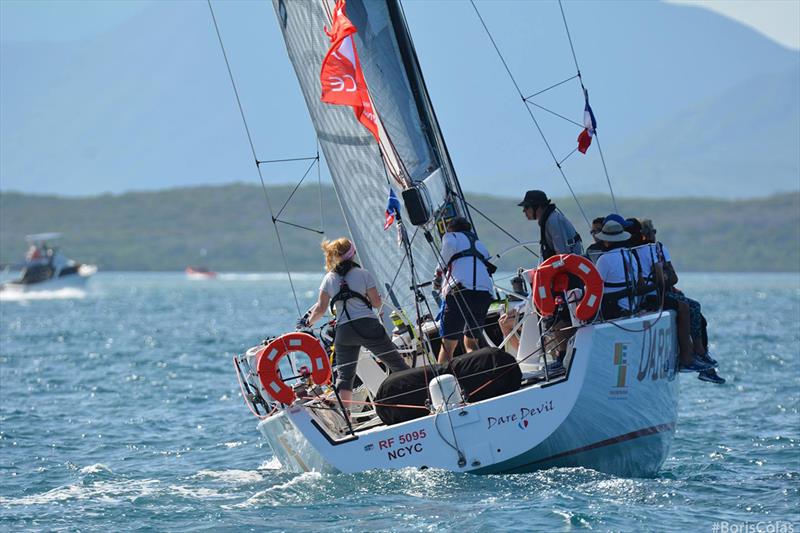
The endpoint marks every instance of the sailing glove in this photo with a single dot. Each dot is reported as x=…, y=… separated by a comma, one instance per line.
x=302, y=323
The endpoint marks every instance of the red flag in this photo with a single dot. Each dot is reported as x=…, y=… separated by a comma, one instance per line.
x=341, y=76
x=584, y=141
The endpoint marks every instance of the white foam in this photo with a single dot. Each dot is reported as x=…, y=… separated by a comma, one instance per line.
x=235, y=477
x=271, y=464
x=267, y=276
x=95, y=468
x=60, y=294
x=258, y=499
x=108, y=491
x=197, y=493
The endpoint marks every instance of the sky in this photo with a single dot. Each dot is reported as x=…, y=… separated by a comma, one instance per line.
x=64, y=20
x=108, y=96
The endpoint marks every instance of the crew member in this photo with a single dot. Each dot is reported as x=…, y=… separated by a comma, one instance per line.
x=467, y=287
x=558, y=235
x=620, y=272
x=594, y=250
x=352, y=292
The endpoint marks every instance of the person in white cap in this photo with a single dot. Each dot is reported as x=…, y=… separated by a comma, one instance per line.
x=617, y=270
x=620, y=272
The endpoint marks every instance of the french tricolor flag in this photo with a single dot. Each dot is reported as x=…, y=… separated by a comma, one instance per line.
x=590, y=124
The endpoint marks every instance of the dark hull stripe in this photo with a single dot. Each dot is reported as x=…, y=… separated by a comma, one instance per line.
x=613, y=440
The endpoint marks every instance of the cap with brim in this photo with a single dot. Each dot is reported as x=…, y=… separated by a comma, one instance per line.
x=613, y=232
x=534, y=198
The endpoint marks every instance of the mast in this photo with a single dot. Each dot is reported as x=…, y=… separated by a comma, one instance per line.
x=357, y=165
x=409, y=53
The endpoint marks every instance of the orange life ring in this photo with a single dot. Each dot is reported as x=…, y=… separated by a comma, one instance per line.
x=551, y=277
x=267, y=363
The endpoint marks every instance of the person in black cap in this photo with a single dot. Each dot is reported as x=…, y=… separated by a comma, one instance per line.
x=558, y=235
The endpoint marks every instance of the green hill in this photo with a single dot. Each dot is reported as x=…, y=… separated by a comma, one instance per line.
x=168, y=230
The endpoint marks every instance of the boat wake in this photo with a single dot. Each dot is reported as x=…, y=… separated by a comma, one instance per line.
x=233, y=477
x=271, y=464
x=67, y=293
x=299, y=489
x=107, y=491
x=267, y=276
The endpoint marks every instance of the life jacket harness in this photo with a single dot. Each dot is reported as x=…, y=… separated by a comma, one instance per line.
x=547, y=250
x=472, y=252
x=614, y=298
x=644, y=284
x=345, y=292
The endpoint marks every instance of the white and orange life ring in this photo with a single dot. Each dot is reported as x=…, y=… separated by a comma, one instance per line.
x=267, y=360
x=550, y=278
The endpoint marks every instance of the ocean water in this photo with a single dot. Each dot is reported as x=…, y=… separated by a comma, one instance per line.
x=119, y=410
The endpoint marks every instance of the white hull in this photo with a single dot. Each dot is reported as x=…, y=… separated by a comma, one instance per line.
x=77, y=280
x=615, y=412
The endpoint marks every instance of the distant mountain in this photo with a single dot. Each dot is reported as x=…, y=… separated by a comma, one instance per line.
x=744, y=142
x=228, y=228
x=687, y=101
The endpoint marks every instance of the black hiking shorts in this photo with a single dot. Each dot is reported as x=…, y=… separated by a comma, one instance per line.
x=464, y=313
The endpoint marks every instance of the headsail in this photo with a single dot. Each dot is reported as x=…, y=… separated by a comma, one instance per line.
x=361, y=181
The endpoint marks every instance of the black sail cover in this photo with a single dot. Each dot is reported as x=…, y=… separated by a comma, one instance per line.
x=482, y=374
x=360, y=179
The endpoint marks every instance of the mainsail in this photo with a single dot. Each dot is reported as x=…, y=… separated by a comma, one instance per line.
x=354, y=158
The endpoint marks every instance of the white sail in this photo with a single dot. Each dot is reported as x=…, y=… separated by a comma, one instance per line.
x=354, y=158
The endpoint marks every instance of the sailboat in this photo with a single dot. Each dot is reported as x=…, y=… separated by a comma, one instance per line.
x=612, y=408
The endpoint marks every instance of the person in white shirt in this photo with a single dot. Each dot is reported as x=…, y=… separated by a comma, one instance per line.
x=656, y=255
x=352, y=292
x=620, y=272
x=467, y=287
x=617, y=270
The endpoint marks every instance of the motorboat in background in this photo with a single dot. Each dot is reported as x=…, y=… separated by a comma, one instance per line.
x=199, y=273
x=47, y=269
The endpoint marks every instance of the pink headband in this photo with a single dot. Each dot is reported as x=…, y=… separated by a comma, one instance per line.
x=349, y=253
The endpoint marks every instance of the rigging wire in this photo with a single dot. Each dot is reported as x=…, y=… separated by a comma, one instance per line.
x=289, y=199
x=551, y=87
x=492, y=222
x=530, y=112
x=319, y=189
x=580, y=78
x=258, y=162
x=554, y=113
x=255, y=157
